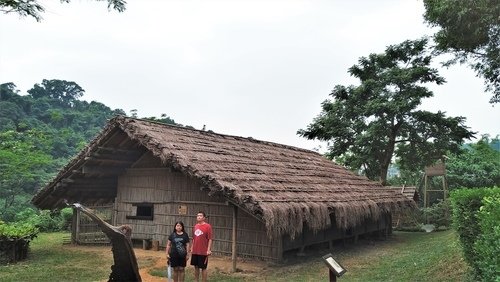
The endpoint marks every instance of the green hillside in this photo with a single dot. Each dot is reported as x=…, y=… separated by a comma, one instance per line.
x=39, y=132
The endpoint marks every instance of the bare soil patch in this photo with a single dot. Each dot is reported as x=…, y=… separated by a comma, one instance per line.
x=149, y=260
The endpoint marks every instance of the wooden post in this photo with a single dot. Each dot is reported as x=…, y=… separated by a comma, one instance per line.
x=146, y=244
x=445, y=188
x=279, y=249
x=425, y=191
x=302, y=252
x=77, y=227
x=73, y=227
x=115, y=212
x=155, y=245
x=333, y=277
x=234, y=239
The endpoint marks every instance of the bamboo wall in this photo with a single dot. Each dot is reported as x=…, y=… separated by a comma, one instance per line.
x=177, y=197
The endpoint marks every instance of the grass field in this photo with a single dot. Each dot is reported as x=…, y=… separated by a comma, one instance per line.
x=403, y=257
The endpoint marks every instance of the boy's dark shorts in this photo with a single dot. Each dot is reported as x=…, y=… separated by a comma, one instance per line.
x=178, y=262
x=199, y=261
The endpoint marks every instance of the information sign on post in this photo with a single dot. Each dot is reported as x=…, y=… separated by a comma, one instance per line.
x=336, y=269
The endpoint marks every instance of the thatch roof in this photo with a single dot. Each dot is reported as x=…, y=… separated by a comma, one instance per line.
x=282, y=185
x=410, y=192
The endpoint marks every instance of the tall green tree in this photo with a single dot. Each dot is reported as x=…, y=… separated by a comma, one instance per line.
x=24, y=166
x=67, y=92
x=470, y=30
x=370, y=124
x=477, y=165
x=34, y=9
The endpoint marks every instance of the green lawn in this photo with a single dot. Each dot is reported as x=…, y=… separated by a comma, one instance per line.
x=403, y=257
x=49, y=260
x=406, y=256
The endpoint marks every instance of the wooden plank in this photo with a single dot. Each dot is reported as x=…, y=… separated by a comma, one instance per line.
x=435, y=170
x=233, y=247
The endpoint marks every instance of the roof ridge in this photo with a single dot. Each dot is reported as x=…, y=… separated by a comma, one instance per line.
x=210, y=132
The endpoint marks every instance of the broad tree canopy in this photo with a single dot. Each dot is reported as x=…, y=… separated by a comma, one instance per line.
x=470, y=30
x=371, y=123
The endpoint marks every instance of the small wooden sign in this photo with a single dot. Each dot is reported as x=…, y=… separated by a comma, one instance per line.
x=183, y=209
x=436, y=170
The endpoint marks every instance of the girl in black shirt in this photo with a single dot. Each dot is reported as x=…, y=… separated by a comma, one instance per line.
x=177, y=251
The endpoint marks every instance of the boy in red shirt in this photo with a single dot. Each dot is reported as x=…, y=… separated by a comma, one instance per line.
x=201, y=246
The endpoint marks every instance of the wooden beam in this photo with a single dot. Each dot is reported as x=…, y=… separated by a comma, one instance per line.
x=67, y=180
x=117, y=154
x=110, y=160
x=115, y=150
x=234, y=255
x=144, y=155
x=89, y=188
x=102, y=170
x=92, y=180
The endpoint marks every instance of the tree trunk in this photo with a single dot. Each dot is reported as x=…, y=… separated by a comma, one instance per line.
x=384, y=166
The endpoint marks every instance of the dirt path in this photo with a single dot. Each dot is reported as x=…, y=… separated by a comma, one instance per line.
x=149, y=260
x=155, y=260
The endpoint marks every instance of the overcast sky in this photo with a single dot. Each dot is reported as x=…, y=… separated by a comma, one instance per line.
x=249, y=68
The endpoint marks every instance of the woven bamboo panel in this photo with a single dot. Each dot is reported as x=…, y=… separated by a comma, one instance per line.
x=177, y=197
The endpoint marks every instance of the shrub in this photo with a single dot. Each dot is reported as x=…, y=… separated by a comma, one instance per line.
x=466, y=204
x=438, y=214
x=487, y=245
x=46, y=221
x=15, y=239
x=49, y=221
x=66, y=216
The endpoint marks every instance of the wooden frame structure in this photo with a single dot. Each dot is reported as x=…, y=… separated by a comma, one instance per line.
x=439, y=170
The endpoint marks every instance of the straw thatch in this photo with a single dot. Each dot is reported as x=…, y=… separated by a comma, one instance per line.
x=285, y=187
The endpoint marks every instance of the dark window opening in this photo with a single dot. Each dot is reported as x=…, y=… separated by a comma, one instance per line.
x=143, y=211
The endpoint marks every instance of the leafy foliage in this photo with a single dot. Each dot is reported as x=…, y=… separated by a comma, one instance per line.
x=23, y=230
x=477, y=165
x=466, y=205
x=23, y=166
x=487, y=245
x=46, y=221
x=370, y=123
x=470, y=30
x=38, y=134
x=14, y=240
x=438, y=214
x=34, y=9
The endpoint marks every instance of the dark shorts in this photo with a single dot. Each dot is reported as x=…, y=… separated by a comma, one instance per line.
x=199, y=261
x=177, y=262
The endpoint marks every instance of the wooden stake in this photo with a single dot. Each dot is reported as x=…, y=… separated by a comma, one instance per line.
x=234, y=239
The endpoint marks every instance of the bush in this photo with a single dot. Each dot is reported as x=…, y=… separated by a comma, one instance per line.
x=46, y=221
x=487, y=245
x=66, y=218
x=50, y=221
x=466, y=204
x=438, y=214
x=14, y=240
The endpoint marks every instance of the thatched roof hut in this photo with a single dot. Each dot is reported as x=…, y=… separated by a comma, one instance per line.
x=286, y=188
